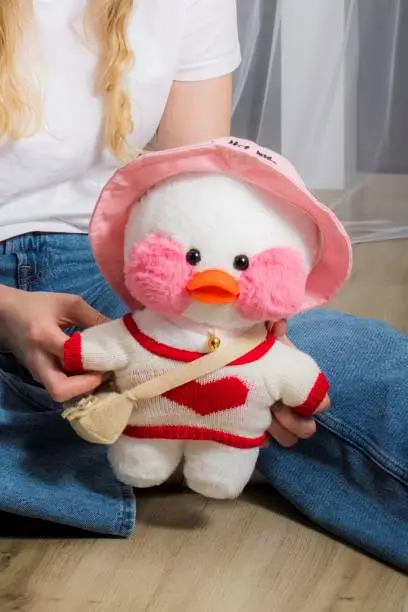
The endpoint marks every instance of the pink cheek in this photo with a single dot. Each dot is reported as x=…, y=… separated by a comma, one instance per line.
x=156, y=274
x=273, y=287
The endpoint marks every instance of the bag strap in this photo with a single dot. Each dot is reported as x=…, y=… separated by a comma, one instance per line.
x=225, y=354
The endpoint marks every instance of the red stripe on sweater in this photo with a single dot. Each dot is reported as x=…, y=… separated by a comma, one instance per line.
x=315, y=397
x=185, y=432
x=176, y=354
x=73, y=354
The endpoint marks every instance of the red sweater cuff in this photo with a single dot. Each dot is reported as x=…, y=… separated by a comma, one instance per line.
x=315, y=397
x=73, y=354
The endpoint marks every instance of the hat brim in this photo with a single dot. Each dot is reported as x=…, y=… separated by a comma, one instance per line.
x=270, y=172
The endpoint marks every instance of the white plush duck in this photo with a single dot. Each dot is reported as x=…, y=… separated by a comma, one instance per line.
x=211, y=241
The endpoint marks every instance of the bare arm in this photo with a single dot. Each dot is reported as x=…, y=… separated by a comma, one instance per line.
x=196, y=111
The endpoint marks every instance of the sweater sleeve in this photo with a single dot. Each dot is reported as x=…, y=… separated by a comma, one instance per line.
x=98, y=349
x=298, y=382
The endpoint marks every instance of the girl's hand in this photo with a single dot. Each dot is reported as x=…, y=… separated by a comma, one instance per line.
x=30, y=326
x=287, y=427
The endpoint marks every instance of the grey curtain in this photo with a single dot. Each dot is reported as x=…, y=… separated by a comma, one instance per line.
x=325, y=83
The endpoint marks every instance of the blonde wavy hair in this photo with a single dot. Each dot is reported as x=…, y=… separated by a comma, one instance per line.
x=20, y=102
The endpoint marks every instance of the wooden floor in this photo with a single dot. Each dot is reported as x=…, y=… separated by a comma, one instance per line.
x=191, y=555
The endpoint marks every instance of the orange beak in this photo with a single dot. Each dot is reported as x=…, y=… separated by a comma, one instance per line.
x=213, y=287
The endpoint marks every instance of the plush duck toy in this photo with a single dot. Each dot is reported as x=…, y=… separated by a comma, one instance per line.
x=206, y=244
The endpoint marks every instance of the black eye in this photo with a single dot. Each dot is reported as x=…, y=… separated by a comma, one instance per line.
x=193, y=257
x=241, y=262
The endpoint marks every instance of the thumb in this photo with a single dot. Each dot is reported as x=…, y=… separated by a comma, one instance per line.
x=83, y=315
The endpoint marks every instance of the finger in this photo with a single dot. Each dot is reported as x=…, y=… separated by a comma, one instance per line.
x=325, y=405
x=281, y=435
x=82, y=315
x=300, y=427
x=53, y=340
x=63, y=388
x=285, y=340
x=59, y=386
x=279, y=329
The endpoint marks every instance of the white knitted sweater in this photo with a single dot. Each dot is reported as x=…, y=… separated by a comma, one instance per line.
x=230, y=406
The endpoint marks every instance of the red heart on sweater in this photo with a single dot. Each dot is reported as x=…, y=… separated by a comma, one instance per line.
x=209, y=398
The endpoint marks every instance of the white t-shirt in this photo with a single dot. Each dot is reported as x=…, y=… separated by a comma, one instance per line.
x=50, y=181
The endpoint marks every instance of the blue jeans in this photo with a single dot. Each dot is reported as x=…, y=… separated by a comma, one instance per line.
x=351, y=478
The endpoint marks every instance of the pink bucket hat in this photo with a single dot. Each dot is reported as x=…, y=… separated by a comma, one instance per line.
x=241, y=159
